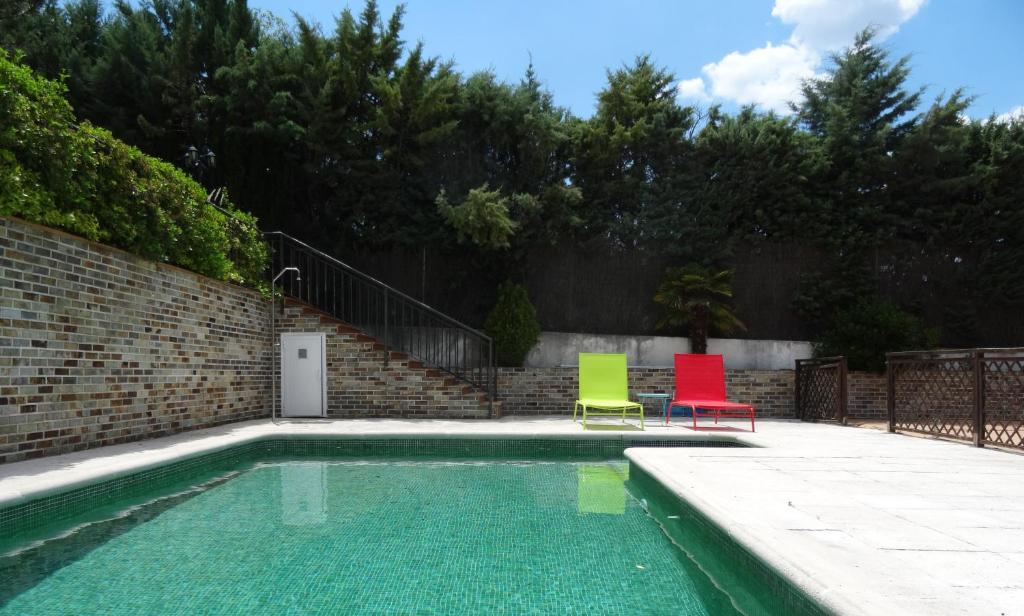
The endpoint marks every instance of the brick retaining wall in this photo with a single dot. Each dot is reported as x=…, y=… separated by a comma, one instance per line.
x=98, y=346
x=547, y=391
x=866, y=395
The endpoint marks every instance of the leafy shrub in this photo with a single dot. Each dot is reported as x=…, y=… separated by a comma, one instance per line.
x=869, y=329
x=82, y=179
x=483, y=218
x=512, y=324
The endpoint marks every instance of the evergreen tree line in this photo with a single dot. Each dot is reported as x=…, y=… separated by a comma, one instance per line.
x=354, y=139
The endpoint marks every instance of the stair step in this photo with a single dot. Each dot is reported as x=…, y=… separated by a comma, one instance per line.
x=341, y=326
x=442, y=393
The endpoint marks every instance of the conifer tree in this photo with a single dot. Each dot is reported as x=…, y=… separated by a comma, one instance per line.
x=861, y=112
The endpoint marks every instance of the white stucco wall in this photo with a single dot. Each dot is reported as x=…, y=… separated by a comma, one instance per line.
x=561, y=349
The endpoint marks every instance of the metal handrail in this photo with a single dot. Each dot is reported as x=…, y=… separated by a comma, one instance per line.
x=375, y=282
x=401, y=322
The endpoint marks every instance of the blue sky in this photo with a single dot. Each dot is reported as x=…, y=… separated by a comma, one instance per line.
x=723, y=51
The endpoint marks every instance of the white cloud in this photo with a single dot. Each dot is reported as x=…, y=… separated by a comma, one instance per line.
x=1017, y=113
x=693, y=89
x=827, y=25
x=770, y=76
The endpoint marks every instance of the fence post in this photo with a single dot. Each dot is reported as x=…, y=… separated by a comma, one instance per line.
x=979, y=397
x=842, y=390
x=796, y=392
x=890, y=393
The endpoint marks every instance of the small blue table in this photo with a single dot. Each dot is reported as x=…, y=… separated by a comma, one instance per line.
x=664, y=401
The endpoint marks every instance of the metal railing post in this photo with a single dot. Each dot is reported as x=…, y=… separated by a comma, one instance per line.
x=387, y=347
x=492, y=379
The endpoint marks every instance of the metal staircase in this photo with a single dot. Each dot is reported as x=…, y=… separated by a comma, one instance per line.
x=398, y=321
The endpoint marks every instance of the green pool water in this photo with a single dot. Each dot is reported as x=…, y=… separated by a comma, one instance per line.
x=381, y=537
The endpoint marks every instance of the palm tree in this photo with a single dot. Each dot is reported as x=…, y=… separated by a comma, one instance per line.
x=698, y=298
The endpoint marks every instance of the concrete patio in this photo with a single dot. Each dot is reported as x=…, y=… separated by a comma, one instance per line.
x=865, y=521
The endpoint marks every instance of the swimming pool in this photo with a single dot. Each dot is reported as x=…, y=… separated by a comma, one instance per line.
x=427, y=529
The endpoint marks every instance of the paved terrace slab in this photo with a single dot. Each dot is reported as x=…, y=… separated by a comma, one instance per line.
x=866, y=522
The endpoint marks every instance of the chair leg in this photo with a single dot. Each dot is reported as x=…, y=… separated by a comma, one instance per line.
x=752, y=420
x=641, y=409
x=693, y=413
x=574, y=407
x=584, y=416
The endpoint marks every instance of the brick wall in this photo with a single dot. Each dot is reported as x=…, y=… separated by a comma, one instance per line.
x=547, y=391
x=365, y=380
x=866, y=395
x=98, y=346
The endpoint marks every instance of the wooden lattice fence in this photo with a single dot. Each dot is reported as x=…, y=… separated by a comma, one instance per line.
x=821, y=389
x=967, y=394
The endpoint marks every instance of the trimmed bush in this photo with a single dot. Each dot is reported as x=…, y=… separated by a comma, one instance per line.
x=869, y=329
x=81, y=179
x=512, y=324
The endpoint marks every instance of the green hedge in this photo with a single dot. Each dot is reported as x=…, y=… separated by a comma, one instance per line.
x=865, y=331
x=82, y=179
x=512, y=323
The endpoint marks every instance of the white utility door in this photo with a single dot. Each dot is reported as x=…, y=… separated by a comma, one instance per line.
x=303, y=375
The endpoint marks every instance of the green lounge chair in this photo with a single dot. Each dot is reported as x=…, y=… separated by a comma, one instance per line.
x=604, y=390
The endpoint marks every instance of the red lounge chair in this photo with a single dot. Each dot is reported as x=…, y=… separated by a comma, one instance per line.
x=700, y=384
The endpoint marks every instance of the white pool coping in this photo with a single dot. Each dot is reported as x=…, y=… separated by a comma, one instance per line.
x=31, y=479
x=863, y=521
